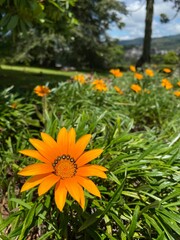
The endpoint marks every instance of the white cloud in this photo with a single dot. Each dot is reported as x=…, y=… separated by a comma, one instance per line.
x=136, y=18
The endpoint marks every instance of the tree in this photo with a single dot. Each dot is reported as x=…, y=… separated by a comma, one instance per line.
x=21, y=15
x=90, y=40
x=85, y=44
x=145, y=57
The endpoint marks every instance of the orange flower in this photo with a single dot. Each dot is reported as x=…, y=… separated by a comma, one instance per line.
x=149, y=72
x=116, y=72
x=178, y=83
x=132, y=68
x=138, y=76
x=177, y=93
x=167, y=70
x=136, y=88
x=80, y=78
x=65, y=164
x=41, y=90
x=99, y=85
x=165, y=83
x=118, y=90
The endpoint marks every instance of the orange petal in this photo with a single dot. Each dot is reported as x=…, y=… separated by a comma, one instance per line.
x=87, y=171
x=89, y=185
x=36, y=169
x=82, y=198
x=60, y=195
x=47, y=183
x=34, y=181
x=88, y=156
x=50, y=142
x=71, y=140
x=34, y=154
x=73, y=188
x=44, y=149
x=62, y=140
x=80, y=145
x=99, y=167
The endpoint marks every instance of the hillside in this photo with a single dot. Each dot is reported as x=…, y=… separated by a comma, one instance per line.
x=162, y=43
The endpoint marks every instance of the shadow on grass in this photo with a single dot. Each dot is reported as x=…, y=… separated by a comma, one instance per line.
x=25, y=81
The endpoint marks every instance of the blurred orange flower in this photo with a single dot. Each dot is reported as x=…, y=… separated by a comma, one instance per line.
x=167, y=70
x=116, y=72
x=41, y=90
x=178, y=83
x=138, y=76
x=99, y=85
x=136, y=88
x=149, y=72
x=166, y=83
x=80, y=78
x=132, y=68
x=118, y=90
x=177, y=93
x=65, y=164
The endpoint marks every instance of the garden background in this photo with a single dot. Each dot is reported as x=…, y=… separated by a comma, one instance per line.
x=60, y=69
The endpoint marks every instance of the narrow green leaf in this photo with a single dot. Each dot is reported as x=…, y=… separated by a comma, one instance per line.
x=46, y=235
x=22, y=203
x=91, y=219
x=28, y=221
x=133, y=222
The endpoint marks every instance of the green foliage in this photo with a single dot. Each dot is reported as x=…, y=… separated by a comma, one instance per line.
x=19, y=16
x=170, y=58
x=139, y=133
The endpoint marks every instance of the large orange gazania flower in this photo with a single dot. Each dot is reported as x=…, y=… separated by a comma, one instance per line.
x=65, y=165
x=41, y=90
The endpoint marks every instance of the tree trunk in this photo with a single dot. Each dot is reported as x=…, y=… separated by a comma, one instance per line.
x=147, y=34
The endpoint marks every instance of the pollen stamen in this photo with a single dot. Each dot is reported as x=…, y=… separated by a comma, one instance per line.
x=64, y=166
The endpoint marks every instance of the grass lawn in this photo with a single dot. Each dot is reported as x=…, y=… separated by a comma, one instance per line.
x=24, y=78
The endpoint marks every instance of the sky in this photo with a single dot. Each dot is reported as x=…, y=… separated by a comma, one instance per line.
x=135, y=21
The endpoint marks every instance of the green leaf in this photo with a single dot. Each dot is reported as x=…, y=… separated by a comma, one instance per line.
x=46, y=235
x=133, y=224
x=13, y=22
x=22, y=203
x=91, y=219
x=27, y=222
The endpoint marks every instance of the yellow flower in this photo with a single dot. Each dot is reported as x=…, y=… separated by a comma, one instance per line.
x=138, y=76
x=178, y=83
x=80, y=78
x=41, y=90
x=177, y=93
x=132, y=68
x=149, y=72
x=99, y=85
x=136, y=88
x=118, y=90
x=165, y=83
x=65, y=164
x=116, y=72
x=167, y=70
